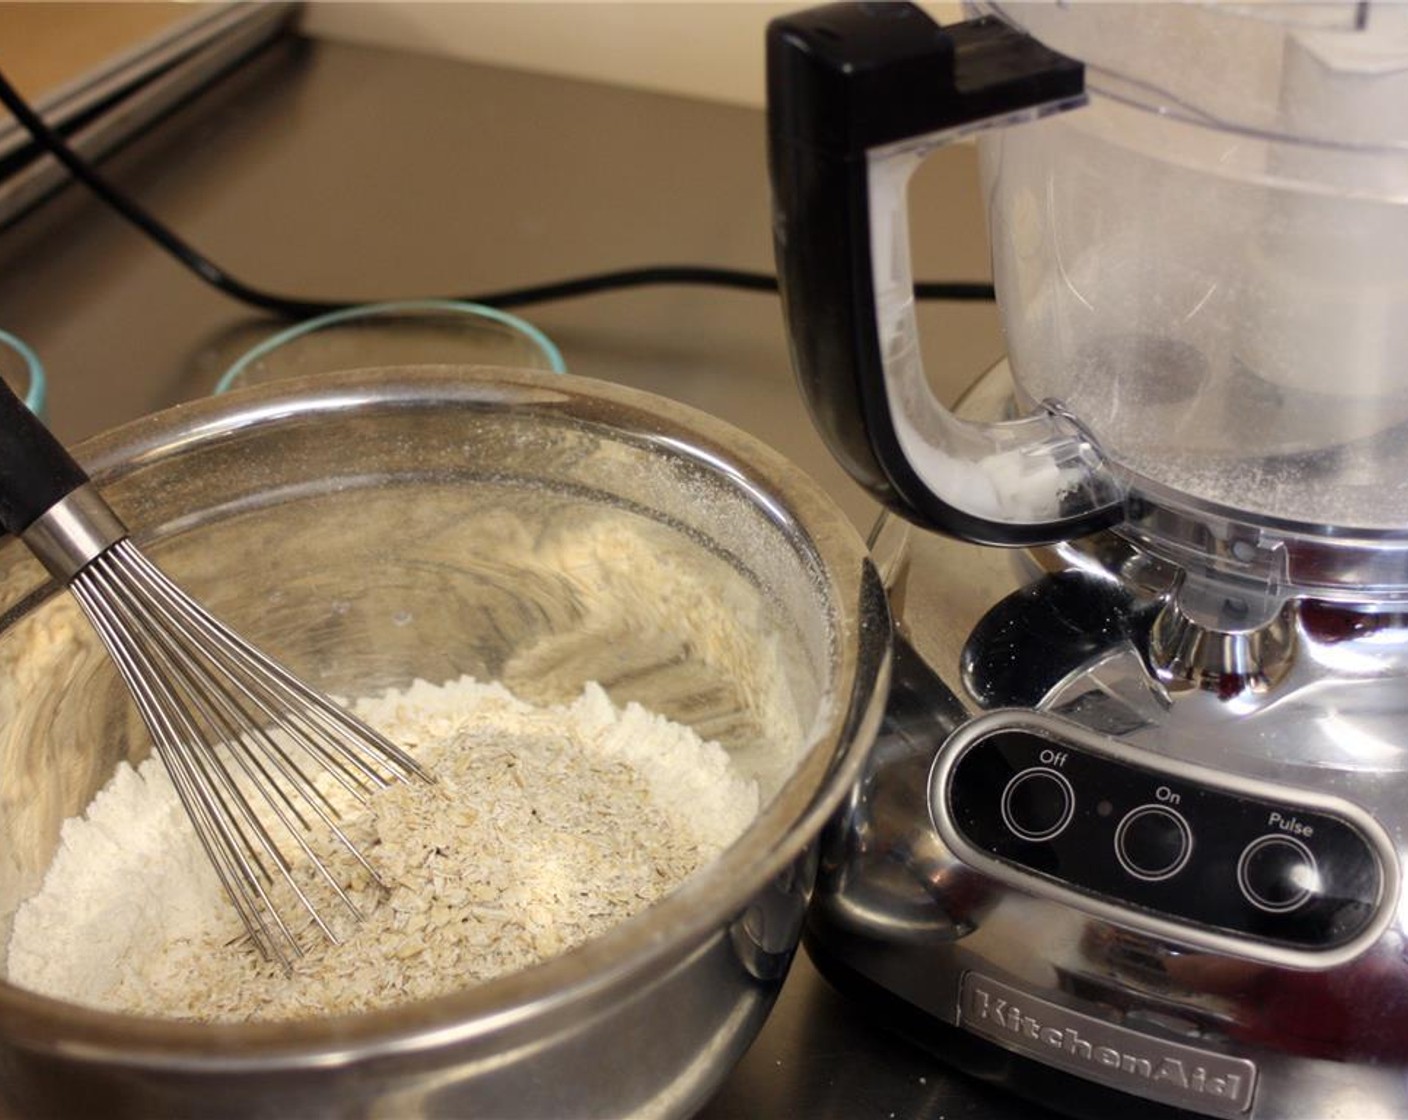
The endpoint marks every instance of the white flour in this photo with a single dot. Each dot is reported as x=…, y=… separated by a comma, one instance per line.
x=546, y=826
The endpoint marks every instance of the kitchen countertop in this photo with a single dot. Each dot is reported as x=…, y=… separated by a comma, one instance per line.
x=338, y=171
x=48, y=46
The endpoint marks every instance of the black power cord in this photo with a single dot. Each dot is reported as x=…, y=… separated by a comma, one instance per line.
x=294, y=307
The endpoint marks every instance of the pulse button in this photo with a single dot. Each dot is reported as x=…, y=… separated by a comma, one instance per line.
x=1153, y=842
x=1038, y=803
x=1277, y=873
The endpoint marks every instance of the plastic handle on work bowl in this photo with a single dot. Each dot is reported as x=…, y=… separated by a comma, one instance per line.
x=858, y=95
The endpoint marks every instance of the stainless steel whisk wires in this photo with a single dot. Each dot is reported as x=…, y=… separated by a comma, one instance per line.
x=254, y=753
x=211, y=701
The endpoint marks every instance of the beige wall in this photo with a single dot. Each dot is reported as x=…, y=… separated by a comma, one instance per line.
x=699, y=49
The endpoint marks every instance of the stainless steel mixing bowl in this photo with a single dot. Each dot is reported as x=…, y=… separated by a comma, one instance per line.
x=375, y=527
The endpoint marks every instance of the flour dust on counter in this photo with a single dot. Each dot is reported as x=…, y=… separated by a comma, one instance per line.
x=545, y=827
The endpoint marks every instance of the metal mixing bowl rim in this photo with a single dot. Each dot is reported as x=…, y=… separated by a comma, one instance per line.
x=830, y=762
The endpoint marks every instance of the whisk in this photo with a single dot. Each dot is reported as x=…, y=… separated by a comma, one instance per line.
x=251, y=750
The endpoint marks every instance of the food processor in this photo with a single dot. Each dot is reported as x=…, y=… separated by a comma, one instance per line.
x=1132, y=835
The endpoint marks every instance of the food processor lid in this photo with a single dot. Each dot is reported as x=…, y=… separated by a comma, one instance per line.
x=1324, y=74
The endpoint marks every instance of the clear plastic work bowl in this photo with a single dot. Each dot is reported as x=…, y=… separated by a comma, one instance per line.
x=1208, y=264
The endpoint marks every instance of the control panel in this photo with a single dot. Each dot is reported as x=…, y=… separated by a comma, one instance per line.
x=1180, y=844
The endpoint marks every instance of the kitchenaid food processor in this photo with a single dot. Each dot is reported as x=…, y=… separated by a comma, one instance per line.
x=1136, y=822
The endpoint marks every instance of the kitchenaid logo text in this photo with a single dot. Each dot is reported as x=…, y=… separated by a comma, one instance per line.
x=1105, y=1052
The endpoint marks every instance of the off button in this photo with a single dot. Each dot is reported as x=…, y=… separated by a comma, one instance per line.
x=1038, y=803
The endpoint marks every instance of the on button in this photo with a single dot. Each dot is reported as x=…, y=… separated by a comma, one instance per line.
x=1038, y=803
x=1153, y=843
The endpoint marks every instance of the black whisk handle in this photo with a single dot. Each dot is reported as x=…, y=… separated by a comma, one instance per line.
x=36, y=470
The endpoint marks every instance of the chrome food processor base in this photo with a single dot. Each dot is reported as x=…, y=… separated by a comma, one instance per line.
x=1138, y=814
x=1163, y=860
